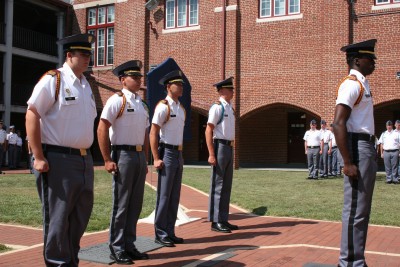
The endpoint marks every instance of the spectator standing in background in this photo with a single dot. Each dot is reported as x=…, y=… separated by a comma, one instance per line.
x=389, y=151
x=313, y=145
x=12, y=148
x=19, y=150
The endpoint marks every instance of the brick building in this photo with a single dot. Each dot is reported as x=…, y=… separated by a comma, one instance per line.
x=284, y=55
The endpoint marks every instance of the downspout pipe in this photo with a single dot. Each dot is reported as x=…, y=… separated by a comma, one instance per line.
x=351, y=20
x=223, y=40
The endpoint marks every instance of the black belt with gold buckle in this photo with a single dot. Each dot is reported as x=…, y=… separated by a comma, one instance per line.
x=179, y=147
x=65, y=150
x=362, y=137
x=223, y=141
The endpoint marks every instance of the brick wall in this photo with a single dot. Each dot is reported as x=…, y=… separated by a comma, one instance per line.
x=294, y=63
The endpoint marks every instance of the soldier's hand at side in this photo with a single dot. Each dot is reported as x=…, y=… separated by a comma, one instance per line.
x=212, y=160
x=306, y=152
x=158, y=164
x=111, y=166
x=351, y=170
x=381, y=155
x=41, y=165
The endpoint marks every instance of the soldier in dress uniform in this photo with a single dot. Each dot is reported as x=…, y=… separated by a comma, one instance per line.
x=325, y=138
x=12, y=148
x=168, y=123
x=19, y=149
x=220, y=136
x=389, y=150
x=124, y=121
x=397, y=129
x=354, y=131
x=313, y=146
x=3, y=139
x=59, y=123
x=334, y=157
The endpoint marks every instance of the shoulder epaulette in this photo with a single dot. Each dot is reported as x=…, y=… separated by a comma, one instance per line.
x=121, y=110
x=165, y=102
x=353, y=77
x=56, y=73
x=223, y=111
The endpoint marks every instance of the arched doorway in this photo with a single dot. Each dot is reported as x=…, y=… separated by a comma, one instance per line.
x=272, y=136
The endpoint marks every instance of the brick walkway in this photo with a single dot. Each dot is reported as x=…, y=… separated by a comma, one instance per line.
x=261, y=241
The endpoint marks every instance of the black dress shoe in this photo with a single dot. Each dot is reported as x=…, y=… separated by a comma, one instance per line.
x=165, y=241
x=136, y=255
x=219, y=227
x=231, y=226
x=121, y=257
x=176, y=240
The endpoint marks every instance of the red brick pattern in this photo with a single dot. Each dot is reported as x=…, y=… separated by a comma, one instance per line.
x=291, y=63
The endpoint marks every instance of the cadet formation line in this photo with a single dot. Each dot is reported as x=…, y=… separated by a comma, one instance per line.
x=63, y=163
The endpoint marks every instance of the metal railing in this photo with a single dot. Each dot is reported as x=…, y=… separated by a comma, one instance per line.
x=20, y=93
x=34, y=41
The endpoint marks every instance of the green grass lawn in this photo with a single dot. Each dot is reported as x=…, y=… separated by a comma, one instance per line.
x=19, y=201
x=274, y=193
x=290, y=194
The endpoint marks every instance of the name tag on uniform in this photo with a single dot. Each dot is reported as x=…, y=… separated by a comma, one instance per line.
x=173, y=115
x=69, y=98
x=130, y=110
x=226, y=115
x=367, y=95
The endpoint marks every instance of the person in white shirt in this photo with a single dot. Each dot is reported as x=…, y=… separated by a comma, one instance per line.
x=333, y=156
x=12, y=148
x=59, y=123
x=389, y=150
x=3, y=140
x=167, y=124
x=313, y=146
x=354, y=130
x=124, y=123
x=220, y=135
x=397, y=129
x=324, y=159
x=19, y=149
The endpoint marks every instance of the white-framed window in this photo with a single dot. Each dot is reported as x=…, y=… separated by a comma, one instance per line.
x=181, y=13
x=110, y=14
x=275, y=8
x=101, y=44
x=100, y=23
x=110, y=46
x=385, y=2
